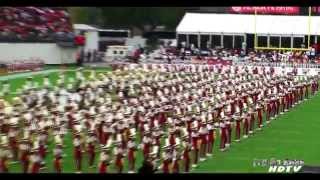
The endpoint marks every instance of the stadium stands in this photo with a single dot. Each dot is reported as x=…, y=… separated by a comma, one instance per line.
x=33, y=23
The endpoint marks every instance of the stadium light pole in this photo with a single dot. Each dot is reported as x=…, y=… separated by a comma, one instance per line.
x=309, y=27
x=255, y=28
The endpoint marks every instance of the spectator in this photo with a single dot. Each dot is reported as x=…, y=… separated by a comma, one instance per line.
x=89, y=55
x=94, y=55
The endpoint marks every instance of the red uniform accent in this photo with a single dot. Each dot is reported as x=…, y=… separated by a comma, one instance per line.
x=186, y=158
x=223, y=137
x=42, y=151
x=57, y=165
x=259, y=117
x=238, y=129
x=146, y=149
x=119, y=163
x=105, y=137
x=14, y=146
x=3, y=165
x=103, y=167
x=78, y=157
x=246, y=126
x=25, y=161
x=252, y=119
x=35, y=167
x=229, y=130
x=92, y=153
x=172, y=140
x=165, y=166
x=268, y=111
x=175, y=167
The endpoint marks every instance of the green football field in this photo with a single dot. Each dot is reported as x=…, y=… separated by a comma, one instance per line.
x=293, y=135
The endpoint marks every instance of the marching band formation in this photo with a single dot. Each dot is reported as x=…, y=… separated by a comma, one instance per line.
x=174, y=115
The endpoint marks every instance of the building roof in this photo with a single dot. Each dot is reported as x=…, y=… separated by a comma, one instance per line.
x=203, y=23
x=84, y=27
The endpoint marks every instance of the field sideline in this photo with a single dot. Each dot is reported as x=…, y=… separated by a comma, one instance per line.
x=290, y=136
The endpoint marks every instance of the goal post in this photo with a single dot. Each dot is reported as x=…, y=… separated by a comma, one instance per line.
x=279, y=47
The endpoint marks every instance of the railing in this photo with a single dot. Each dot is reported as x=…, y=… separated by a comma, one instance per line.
x=270, y=64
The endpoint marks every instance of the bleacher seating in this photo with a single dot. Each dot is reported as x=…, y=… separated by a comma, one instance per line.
x=33, y=23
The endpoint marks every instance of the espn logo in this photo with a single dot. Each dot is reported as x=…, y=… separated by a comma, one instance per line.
x=284, y=169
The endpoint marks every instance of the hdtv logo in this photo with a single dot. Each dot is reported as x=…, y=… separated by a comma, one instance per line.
x=284, y=169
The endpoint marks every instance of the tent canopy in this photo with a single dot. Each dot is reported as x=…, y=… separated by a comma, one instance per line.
x=209, y=23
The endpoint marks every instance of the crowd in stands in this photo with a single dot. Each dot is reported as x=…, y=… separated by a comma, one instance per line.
x=34, y=23
x=32, y=64
x=248, y=55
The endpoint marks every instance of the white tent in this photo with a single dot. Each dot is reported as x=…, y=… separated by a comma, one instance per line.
x=205, y=23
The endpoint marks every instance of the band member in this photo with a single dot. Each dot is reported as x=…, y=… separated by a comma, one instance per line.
x=5, y=155
x=223, y=134
x=203, y=133
x=119, y=155
x=186, y=151
x=35, y=160
x=24, y=154
x=268, y=110
x=259, y=110
x=195, y=145
x=42, y=147
x=77, y=152
x=131, y=151
x=146, y=144
x=252, y=119
x=167, y=159
x=176, y=158
x=105, y=158
x=228, y=131
x=246, y=122
x=13, y=132
x=91, y=148
x=210, y=137
x=57, y=152
x=238, y=119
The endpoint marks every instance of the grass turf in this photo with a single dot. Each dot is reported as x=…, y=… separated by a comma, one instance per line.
x=290, y=136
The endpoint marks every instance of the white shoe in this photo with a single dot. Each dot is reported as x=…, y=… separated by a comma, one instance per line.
x=222, y=149
x=262, y=125
x=130, y=172
x=286, y=110
x=250, y=132
x=245, y=136
x=259, y=129
x=228, y=145
x=78, y=172
x=272, y=118
x=237, y=140
x=209, y=155
x=202, y=159
x=268, y=122
x=281, y=112
x=194, y=165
